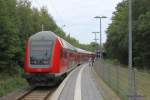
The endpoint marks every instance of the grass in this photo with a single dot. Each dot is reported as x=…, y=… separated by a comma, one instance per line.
x=117, y=78
x=9, y=83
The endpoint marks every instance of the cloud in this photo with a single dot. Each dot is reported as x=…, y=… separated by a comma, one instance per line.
x=78, y=15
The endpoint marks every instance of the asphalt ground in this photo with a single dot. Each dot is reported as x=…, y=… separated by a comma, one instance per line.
x=79, y=85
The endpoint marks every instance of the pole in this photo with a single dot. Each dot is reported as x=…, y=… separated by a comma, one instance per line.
x=42, y=27
x=100, y=49
x=132, y=85
x=100, y=39
x=95, y=38
x=130, y=34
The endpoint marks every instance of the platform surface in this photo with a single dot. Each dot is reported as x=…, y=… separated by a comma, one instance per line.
x=79, y=85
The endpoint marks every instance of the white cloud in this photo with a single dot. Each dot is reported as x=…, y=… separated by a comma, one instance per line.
x=78, y=15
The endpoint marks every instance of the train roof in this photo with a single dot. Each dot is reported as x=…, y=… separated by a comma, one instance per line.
x=83, y=51
x=48, y=35
x=67, y=45
x=43, y=35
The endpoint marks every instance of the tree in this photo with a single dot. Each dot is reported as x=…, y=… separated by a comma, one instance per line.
x=117, y=37
x=117, y=42
x=18, y=21
x=9, y=34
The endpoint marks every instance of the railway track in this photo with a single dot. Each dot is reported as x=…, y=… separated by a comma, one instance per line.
x=37, y=94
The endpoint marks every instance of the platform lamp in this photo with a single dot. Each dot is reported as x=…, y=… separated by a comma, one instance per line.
x=100, y=18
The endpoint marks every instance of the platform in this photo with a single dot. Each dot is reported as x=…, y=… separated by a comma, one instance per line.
x=79, y=85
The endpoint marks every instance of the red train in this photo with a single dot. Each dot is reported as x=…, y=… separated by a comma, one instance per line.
x=49, y=58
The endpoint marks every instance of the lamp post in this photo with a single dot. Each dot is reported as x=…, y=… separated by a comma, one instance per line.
x=96, y=44
x=100, y=18
x=132, y=82
x=95, y=36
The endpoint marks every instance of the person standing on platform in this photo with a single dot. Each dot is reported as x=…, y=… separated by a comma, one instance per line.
x=90, y=61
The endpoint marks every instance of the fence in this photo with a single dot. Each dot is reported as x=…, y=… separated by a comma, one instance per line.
x=117, y=78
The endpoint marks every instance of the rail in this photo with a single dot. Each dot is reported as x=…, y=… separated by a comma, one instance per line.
x=42, y=93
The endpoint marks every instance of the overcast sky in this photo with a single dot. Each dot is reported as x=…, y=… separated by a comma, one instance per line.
x=78, y=15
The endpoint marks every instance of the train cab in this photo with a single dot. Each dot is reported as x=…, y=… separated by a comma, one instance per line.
x=42, y=56
x=49, y=58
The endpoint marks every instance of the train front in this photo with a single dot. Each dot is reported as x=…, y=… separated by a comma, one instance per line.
x=38, y=63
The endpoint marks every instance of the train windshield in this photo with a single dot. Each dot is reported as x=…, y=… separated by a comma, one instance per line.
x=40, y=53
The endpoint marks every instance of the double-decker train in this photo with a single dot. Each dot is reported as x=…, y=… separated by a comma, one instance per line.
x=49, y=58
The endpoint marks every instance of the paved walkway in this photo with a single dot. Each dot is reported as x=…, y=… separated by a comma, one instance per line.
x=79, y=85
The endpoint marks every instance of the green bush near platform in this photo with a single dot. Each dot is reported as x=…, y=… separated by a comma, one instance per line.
x=10, y=83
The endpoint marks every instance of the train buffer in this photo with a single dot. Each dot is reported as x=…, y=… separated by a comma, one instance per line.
x=80, y=84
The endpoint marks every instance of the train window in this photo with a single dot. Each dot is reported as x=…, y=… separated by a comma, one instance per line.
x=61, y=53
x=40, y=53
x=65, y=55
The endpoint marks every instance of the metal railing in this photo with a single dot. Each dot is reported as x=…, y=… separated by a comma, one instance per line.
x=117, y=78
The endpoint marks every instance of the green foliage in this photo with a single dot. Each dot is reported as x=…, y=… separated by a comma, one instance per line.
x=117, y=42
x=90, y=47
x=18, y=21
x=9, y=33
x=116, y=45
x=11, y=84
